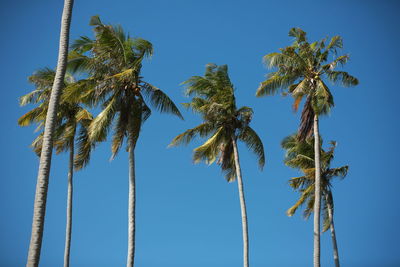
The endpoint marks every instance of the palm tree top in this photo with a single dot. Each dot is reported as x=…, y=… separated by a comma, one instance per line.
x=302, y=69
x=213, y=98
x=300, y=155
x=69, y=116
x=113, y=61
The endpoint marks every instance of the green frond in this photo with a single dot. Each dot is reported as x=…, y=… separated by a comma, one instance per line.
x=160, y=100
x=143, y=47
x=83, y=115
x=203, y=130
x=299, y=34
x=323, y=100
x=309, y=208
x=37, y=144
x=336, y=42
x=254, y=143
x=64, y=136
x=340, y=172
x=227, y=161
x=303, y=198
x=209, y=151
x=300, y=161
x=99, y=127
x=126, y=75
x=326, y=222
x=298, y=182
x=82, y=91
x=78, y=62
x=35, y=115
x=197, y=85
x=84, y=149
x=95, y=21
x=80, y=45
x=135, y=120
x=30, y=98
x=342, y=78
x=120, y=131
x=278, y=60
x=342, y=60
x=42, y=78
x=274, y=82
x=302, y=88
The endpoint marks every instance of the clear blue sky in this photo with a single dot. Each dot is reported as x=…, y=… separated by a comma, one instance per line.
x=188, y=215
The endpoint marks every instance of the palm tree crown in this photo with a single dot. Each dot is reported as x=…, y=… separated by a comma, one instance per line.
x=68, y=119
x=114, y=61
x=300, y=155
x=301, y=71
x=213, y=98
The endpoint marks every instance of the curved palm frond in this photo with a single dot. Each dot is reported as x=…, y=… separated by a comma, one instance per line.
x=254, y=143
x=160, y=100
x=209, y=151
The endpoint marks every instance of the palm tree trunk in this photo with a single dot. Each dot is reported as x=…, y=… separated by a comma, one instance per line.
x=69, y=205
x=39, y=209
x=333, y=233
x=242, y=205
x=317, y=202
x=131, y=205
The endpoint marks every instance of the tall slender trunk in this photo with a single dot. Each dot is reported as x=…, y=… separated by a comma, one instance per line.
x=131, y=205
x=317, y=203
x=39, y=209
x=68, y=227
x=242, y=205
x=333, y=232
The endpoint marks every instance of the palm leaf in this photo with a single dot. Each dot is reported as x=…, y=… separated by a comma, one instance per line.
x=254, y=143
x=160, y=100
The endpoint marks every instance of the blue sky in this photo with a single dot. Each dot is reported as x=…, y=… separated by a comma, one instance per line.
x=188, y=215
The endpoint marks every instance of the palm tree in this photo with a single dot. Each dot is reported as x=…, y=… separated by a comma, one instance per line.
x=223, y=124
x=39, y=208
x=301, y=71
x=70, y=119
x=114, y=61
x=300, y=155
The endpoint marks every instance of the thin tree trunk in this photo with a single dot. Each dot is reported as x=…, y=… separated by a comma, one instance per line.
x=131, y=205
x=333, y=233
x=242, y=205
x=317, y=203
x=39, y=209
x=69, y=206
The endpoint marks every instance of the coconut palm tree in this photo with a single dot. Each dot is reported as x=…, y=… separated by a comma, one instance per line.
x=300, y=155
x=71, y=125
x=302, y=69
x=114, y=61
x=39, y=208
x=223, y=125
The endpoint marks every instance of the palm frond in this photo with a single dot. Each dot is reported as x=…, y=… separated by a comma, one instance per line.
x=35, y=115
x=120, y=131
x=303, y=198
x=322, y=101
x=209, y=151
x=342, y=77
x=203, y=130
x=254, y=143
x=160, y=100
x=100, y=125
x=336, y=42
x=299, y=34
x=275, y=82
